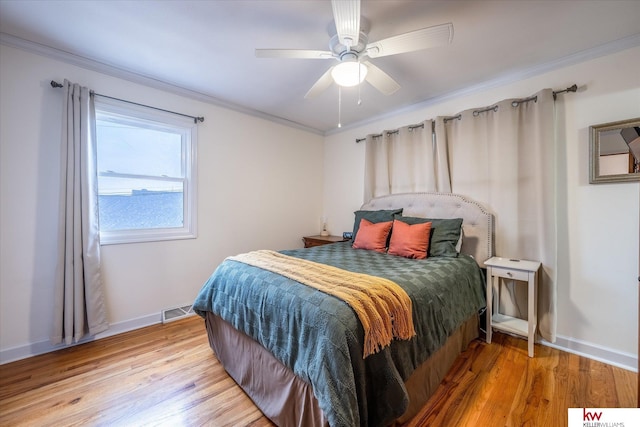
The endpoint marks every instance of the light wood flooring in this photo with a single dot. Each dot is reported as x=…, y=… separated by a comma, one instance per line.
x=168, y=375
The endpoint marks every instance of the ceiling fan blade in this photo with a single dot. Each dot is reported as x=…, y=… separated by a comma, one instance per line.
x=380, y=80
x=322, y=84
x=346, y=14
x=408, y=42
x=294, y=53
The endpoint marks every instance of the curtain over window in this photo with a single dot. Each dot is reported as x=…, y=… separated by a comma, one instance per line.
x=78, y=298
x=403, y=161
x=505, y=157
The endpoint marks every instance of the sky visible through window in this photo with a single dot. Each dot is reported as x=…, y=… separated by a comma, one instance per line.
x=132, y=150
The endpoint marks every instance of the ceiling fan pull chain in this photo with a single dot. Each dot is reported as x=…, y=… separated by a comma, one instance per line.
x=339, y=106
x=359, y=84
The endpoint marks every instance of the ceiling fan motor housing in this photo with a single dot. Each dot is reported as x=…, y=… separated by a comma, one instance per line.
x=345, y=53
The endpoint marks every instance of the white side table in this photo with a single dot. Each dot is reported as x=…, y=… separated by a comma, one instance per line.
x=519, y=270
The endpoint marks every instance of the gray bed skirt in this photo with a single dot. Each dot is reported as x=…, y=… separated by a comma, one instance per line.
x=288, y=401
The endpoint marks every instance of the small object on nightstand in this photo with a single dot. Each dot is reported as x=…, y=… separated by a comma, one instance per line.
x=324, y=232
x=347, y=235
x=518, y=270
x=311, y=241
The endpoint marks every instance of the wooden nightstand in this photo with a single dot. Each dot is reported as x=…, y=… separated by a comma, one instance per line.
x=520, y=271
x=311, y=241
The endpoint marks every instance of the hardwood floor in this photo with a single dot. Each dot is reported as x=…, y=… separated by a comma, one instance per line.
x=168, y=375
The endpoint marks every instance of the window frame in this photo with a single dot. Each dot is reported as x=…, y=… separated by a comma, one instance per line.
x=148, y=117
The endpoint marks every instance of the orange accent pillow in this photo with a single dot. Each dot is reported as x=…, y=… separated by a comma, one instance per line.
x=372, y=236
x=410, y=240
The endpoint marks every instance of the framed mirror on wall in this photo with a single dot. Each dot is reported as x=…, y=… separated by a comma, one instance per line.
x=614, y=152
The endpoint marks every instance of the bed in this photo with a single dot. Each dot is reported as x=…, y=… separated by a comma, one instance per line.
x=301, y=353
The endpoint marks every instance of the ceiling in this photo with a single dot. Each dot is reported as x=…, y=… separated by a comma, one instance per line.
x=207, y=47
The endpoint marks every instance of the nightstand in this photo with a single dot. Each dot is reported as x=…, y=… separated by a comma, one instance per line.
x=311, y=241
x=521, y=271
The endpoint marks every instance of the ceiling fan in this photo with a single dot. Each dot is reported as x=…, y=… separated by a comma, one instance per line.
x=350, y=46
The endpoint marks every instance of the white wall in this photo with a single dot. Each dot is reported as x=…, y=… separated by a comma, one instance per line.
x=259, y=186
x=598, y=224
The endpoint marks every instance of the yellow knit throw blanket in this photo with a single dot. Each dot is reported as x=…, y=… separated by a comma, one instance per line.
x=383, y=307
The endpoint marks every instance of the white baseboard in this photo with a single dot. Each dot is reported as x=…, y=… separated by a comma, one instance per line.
x=41, y=347
x=596, y=352
x=592, y=351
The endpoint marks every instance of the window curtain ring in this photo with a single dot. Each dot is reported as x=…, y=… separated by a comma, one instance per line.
x=517, y=102
x=476, y=113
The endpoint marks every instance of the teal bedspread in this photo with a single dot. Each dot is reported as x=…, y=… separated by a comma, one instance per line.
x=320, y=338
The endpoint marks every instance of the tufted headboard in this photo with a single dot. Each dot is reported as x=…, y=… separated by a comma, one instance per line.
x=477, y=222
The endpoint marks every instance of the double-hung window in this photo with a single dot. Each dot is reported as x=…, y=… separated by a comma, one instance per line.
x=146, y=162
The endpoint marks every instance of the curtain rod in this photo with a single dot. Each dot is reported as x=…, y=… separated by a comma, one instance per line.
x=515, y=103
x=195, y=119
x=391, y=132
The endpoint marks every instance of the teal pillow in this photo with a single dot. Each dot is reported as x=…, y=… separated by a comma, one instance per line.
x=445, y=234
x=373, y=216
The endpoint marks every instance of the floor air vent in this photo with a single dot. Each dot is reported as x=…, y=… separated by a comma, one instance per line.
x=171, y=314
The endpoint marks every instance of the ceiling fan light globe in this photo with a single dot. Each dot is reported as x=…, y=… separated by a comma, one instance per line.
x=349, y=74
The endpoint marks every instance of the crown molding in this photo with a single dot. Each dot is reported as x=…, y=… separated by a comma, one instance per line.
x=129, y=75
x=576, y=58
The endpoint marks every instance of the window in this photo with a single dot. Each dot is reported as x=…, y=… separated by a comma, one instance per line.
x=146, y=173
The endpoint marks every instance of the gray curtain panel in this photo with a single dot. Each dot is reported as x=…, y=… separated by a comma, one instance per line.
x=405, y=161
x=505, y=157
x=79, y=296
